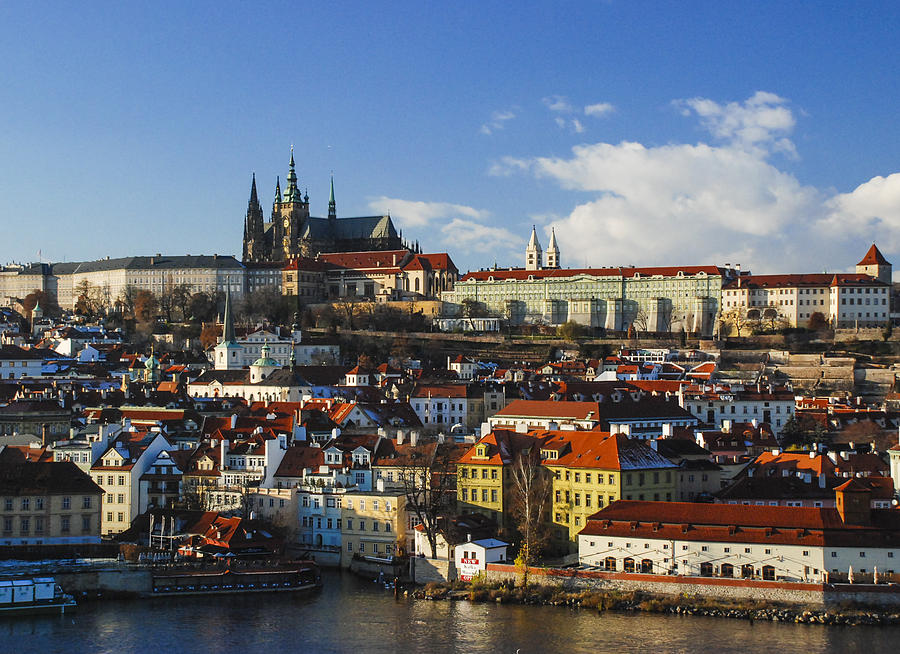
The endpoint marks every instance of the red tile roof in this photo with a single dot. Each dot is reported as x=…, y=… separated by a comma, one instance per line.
x=520, y=273
x=873, y=257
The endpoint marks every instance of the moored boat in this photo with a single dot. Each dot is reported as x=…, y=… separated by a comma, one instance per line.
x=25, y=596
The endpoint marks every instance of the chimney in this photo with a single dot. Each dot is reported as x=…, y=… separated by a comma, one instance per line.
x=401, y=436
x=233, y=420
x=822, y=480
x=654, y=445
x=666, y=430
x=833, y=457
x=414, y=437
x=45, y=434
x=755, y=423
x=812, y=454
x=853, y=502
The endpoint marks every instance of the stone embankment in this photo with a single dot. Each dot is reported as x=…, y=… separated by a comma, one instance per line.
x=504, y=593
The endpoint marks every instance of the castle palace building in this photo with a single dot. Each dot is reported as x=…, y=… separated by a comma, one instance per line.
x=291, y=232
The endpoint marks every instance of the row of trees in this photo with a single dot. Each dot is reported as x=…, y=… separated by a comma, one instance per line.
x=179, y=303
x=742, y=321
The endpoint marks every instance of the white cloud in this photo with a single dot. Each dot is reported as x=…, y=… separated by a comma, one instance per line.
x=413, y=213
x=872, y=209
x=762, y=122
x=710, y=203
x=599, y=109
x=498, y=121
x=577, y=127
x=558, y=103
x=471, y=236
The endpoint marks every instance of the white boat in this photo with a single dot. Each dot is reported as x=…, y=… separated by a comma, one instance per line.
x=23, y=595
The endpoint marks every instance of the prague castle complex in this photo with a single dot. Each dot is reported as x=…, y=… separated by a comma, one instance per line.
x=291, y=232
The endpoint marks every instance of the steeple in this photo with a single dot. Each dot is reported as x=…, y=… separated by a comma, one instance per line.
x=227, y=353
x=228, y=323
x=292, y=192
x=533, y=255
x=552, y=251
x=332, y=208
x=277, y=190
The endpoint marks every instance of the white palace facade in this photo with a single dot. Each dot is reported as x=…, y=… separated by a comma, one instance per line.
x=654, y=299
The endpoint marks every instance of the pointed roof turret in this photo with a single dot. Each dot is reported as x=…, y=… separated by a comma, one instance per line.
x=552, y=244
x=533, y=241
x=277, y=190
x=332, y=207
x=873, y=258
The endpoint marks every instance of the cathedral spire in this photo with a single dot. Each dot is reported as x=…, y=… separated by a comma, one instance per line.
x=253, y=198
x=332, y=207
x=292, y=192
x=277, y=190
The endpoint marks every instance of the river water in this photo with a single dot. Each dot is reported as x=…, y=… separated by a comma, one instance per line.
x=354, y=615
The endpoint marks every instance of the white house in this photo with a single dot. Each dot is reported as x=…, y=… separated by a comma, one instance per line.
x=473, y=556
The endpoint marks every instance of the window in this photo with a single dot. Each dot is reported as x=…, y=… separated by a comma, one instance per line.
x=86, y=502
x=66, y=503
x=387, y=526
x=8, y=504
x=64, y=524
x=349, y=546
x=85, y=523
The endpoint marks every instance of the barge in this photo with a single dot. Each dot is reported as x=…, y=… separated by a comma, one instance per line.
x=304, y=576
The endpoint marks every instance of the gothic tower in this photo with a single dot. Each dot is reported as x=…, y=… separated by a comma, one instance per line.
x=289, y=215
x=533, y=255
x=254, y=230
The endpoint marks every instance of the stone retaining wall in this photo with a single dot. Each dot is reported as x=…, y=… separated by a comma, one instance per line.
x=712, y=587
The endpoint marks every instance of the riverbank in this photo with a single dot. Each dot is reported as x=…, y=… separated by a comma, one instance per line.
x=610, y=600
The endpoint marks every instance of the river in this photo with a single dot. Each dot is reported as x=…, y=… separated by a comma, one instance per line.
x=354, y=615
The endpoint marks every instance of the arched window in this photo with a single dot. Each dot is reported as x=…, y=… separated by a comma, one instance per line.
x=727, y=570
x=417, y=284
x=628, y=565
x=768, y=572
x=747, y=571
x=610, y=563
x=647, y=566
x=706, y=570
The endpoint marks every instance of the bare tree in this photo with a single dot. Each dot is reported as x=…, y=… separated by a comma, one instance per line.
x=530, y=488
x=737, y=318
x=428, y=476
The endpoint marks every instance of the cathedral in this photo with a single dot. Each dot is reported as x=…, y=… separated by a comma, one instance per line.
x=291, y=232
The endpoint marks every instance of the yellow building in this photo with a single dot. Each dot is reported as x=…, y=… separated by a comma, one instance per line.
x=592, y=469
x=483, y=477
x=46, y=503
x=373, y=523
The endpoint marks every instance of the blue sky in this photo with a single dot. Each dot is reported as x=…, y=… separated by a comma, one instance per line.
x=644, y=133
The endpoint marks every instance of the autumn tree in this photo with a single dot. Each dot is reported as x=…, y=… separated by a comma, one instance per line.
x=145, y=306
x=209, y=335
x=126, y=298
x=530, y=501
x=47, y=302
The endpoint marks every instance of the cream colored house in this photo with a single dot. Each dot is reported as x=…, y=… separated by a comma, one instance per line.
x=373, y=524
